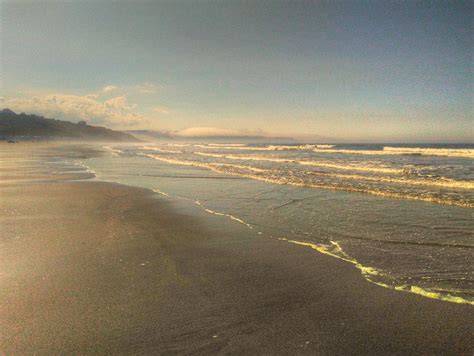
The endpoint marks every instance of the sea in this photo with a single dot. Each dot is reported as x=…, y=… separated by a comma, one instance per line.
x=400, y=214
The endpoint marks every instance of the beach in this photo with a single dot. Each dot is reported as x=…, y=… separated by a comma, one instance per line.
x=93, y=267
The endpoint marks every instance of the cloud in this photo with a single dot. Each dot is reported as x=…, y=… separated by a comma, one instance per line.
x=146, y=88
x=119, y=103
x=137, y=89
x=109, y=88
x=115, y=112
x=163, y=110
x=211, y=132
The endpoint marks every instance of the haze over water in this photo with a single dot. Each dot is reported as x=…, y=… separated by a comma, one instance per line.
x=402, y=215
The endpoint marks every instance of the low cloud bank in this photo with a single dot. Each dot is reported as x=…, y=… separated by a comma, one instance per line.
x=111, y=107
x=210, y=132
x=115, y=111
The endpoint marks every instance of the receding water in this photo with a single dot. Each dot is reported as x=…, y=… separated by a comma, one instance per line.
x=401, y=215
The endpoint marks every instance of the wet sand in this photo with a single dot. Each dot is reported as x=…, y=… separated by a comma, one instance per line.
x=93, y=267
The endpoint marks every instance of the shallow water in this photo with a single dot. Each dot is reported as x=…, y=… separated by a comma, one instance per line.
x=401, y=215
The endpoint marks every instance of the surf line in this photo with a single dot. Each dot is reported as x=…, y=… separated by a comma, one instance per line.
x=335, y=250
x=87, y=169
x=217, y=167
x=203, y=207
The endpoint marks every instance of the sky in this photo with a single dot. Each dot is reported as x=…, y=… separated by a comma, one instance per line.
x=360, y=71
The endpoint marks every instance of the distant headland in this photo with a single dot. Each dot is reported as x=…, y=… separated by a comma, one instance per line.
x=30, y=127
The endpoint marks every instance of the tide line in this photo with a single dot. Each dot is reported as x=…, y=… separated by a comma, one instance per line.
x=335, y=250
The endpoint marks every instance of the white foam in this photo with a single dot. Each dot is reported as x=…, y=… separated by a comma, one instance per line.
x=114, y=151
x=295, y=181
x=447, y=152
x=442, y=182
x=227, y=144
x=156, y=190
x=265, y=148
x=211, y=166
x=154, y=148
x=364, y=168
x=86, y=168
x=230, y=216
x=442, y=152
x=335, y=250
x=178, y=144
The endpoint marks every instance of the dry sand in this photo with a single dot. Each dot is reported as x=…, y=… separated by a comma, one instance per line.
x=91, y=267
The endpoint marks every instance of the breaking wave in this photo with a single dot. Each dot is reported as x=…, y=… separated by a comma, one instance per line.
x=264, y=148
x=327, y=148
x=441, y=182
x=440, y=152
x=272, y=176
x=365, y=168
x=423, y=257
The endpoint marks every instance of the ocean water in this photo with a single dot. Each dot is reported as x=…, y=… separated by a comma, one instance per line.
x=402, y=215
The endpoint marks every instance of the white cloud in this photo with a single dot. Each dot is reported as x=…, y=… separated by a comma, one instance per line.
x=137, y=89
x=118, y=103
x=109, y=88
x=209, y=131
x=114, y=112
x=145, y=88
x=163, y=110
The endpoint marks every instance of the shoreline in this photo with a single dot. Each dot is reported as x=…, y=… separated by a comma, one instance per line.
x=370, y=273
x=98, y=267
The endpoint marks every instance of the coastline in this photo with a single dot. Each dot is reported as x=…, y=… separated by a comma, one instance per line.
x=96, y=267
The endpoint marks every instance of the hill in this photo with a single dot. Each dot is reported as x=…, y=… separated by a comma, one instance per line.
x=33, y=127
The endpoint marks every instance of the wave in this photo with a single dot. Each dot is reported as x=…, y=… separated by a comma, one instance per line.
x=153, y=148
x=86, y=168
x=445, y=152
x=227, y=147
x=328, y=148
x=211, y=166
x=227, y=144
x=441, y=152
x=266, y=148
x=307, y=163
x=380, y=193
x=249, y=172
x=298, y=147
x=114, y=151
x=441, y=182
x=444, y=182
x=178, y=144
x=374, y=275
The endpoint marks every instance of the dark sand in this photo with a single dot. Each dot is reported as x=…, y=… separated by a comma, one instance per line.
x=90, y=267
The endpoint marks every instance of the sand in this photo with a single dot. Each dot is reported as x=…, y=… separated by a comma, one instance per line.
x=94, y=267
